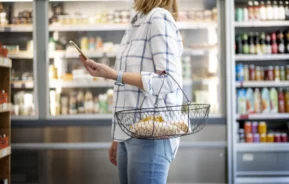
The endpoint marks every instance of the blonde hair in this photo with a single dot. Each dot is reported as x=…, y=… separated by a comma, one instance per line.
x=145, y=6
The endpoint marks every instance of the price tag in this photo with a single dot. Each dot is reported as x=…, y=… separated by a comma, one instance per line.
x=248, y=157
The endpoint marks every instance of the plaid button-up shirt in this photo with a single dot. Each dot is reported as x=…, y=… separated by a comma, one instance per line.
x=152, y=43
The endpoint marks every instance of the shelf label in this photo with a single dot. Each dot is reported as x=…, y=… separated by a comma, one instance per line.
x=248, y=157
x=244, y=116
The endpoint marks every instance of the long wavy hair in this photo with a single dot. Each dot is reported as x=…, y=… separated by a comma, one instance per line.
x=145, y=6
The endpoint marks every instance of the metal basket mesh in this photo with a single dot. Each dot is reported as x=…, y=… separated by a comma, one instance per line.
x=163, y=122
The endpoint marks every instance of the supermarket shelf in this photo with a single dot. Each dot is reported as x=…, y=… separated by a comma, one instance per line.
x=198, y=25
x=5, y=152
x=262, y=180
x=262, y=24
x=5, y=62
x=83, y=116
x=262, y=147
x=20, y=55
x=26, y=118
x=22, y=84
x=16, y=28
x=77, y=84
x=88, y=27
x=262, y=116
x=262, y=84
x=246, y=57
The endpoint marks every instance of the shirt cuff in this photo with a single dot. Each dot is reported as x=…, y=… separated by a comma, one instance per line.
x=147, y=83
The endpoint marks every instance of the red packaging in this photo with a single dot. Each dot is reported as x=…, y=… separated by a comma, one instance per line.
x=277, y=137
x=4, y=142
x=284, y=137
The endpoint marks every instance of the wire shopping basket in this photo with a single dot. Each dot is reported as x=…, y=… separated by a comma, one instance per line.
x=163, y=122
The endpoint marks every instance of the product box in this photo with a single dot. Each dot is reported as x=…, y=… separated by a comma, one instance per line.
x=4, y=142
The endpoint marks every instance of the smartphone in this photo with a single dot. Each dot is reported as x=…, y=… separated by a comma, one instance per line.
x=78, y=49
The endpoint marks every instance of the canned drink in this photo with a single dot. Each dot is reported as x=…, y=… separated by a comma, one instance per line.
x=249, y=138
x=277, y=137
x=262, y=127
x=270, y=137
x=255, y=127
x=263, y=138
x=239, y=72
x=248, y=127
x=256, y=138
x=284, y=137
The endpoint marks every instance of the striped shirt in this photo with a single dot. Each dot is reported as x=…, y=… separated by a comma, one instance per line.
x=152, y=43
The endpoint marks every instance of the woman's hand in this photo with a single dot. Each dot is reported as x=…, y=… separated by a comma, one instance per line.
x=98, y=70
x=113, y=153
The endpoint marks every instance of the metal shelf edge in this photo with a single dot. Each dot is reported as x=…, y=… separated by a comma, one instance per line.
x=262, y=147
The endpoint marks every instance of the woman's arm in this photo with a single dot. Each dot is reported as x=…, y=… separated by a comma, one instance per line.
x=100, y=70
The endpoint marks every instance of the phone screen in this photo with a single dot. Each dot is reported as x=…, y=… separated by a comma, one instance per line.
x=78, y=49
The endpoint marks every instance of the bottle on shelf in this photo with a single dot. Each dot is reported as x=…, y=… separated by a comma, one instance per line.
x=275, y=10
x=263, y=43
x=274, y=45
x=281, y=101
x=252, y=43
x=257, y=101
x=245, y=44
x=249, y=101
x=286, y=10
x=257, y=44
x=282, y=73
x=239, y=46
x=251, y=11
x=252, y=73
x=265, y=101
x=72, y=103
x=274, y=100
x=263, y=13
x=277, y=73
x=268, y=42
x=287, y=42
x=280, y=41
x=80, y=102
x=246, y=72
x=287, y=100
x=281, y=10
x=88, y=103
x=256, y=10
x=269, y=10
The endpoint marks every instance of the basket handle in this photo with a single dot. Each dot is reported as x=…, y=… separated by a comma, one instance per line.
x=157, y=96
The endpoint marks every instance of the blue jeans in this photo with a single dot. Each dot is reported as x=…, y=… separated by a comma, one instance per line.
x=144, y=161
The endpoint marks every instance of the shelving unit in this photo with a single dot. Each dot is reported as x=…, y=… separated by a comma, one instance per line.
x=79, y=84
x=273, y=57
x=253, y=162
x=5, y=125
x=256, y=84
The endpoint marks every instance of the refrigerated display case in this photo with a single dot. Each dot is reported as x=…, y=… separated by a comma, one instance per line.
x=17, y=36
x=74, y=93
x=258, y=116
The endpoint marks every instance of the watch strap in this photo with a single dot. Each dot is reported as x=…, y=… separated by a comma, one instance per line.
x=119, y=79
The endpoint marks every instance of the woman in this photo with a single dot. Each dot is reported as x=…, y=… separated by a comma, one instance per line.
x=152, y=46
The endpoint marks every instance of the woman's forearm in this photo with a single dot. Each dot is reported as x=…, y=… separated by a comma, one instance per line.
x=130, y=78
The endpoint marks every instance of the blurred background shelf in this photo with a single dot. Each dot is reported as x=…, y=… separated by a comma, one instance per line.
x=262, y=147
x=80, y=84
x=16, y=28
x=5, y=152
x=25, y=118
x=5, y=62
x=245, y=57
x=261, y=24
x=266, y=116
x=82, y=116
x=262, y=84
x=5, y=108
x=22, y=84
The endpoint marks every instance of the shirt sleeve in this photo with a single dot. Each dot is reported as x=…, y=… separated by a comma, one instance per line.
x=166, y=47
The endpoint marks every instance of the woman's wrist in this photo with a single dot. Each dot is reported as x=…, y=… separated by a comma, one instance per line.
x=113, y=75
